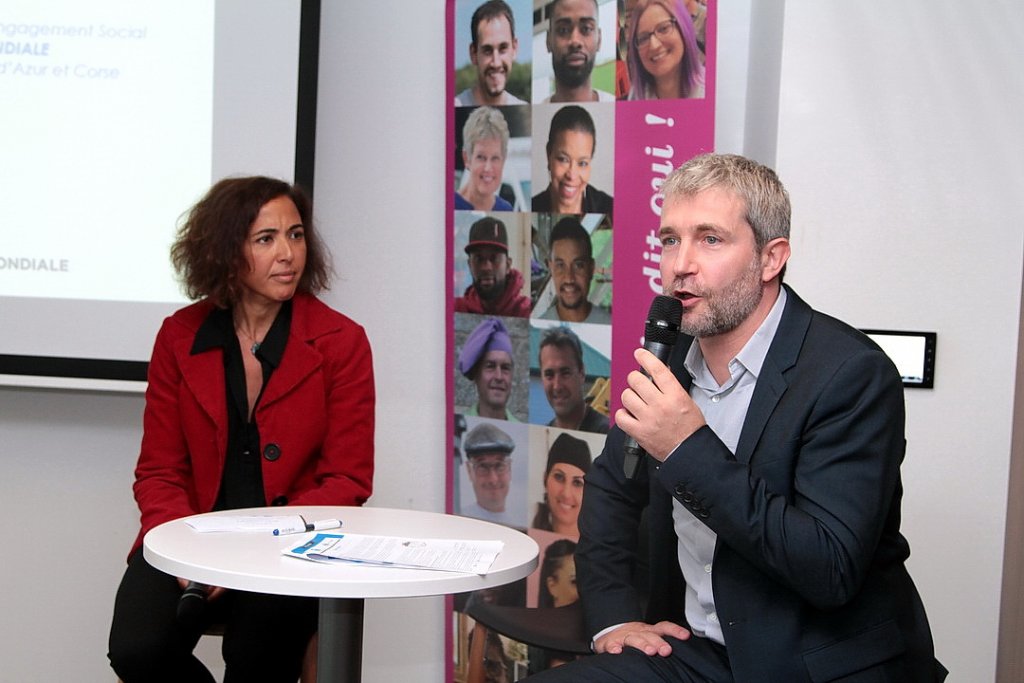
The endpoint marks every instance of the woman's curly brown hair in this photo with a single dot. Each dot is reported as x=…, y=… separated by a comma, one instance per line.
x=207, y=253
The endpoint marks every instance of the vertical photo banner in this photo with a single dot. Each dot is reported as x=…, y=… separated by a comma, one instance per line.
x=564, y=119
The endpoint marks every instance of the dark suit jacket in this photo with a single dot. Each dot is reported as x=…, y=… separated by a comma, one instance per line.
x=316, y=415
x=809, y=578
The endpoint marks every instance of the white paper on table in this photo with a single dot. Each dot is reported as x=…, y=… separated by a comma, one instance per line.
x=208, y=523
x=442, y=554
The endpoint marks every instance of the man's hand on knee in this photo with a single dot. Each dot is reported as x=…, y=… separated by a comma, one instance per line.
x=648, y=638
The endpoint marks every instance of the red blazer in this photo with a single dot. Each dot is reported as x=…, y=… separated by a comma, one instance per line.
x=315, y=418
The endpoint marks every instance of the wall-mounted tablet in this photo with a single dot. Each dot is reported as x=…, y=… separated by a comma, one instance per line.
x=912, y=352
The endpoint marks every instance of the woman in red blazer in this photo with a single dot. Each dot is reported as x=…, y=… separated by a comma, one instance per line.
x=259, y=394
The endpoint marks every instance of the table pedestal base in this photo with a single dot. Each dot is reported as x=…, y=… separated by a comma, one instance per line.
x=340, y=652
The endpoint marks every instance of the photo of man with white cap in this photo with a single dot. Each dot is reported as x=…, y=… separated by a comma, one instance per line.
x=489, y=466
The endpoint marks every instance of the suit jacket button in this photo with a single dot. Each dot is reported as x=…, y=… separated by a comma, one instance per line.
x=271, y=452
x=679, y=489
x=279, y=501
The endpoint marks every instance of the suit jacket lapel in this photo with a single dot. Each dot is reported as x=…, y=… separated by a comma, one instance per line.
x=300, y=359
x=203, y=373
x=771, y=383
x=298, y=363
x=676, y=359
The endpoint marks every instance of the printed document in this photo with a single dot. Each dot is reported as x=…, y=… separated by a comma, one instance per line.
x=394, y=551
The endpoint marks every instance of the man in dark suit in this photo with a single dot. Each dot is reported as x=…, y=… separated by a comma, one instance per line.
x=772, y=490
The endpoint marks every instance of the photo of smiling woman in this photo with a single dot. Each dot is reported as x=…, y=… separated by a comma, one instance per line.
x=569, y=157
x=663, y=57
x=568, y=463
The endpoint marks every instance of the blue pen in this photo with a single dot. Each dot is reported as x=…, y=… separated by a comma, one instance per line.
x=320, y=525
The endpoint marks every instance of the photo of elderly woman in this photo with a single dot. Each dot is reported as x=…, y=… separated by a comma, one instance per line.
x=493, y=151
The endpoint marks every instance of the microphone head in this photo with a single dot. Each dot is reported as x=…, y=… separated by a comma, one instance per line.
x=192, y=605
x=662, y=326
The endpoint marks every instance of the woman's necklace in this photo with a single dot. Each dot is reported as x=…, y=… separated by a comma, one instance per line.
x=255, y=343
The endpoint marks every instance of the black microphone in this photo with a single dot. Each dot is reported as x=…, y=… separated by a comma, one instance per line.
x=192, y=604
x=660, y=333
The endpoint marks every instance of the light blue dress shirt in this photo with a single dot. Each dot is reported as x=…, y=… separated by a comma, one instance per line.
x=724, y=408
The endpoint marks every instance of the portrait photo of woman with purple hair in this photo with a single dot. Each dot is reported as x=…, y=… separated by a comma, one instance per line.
x=663, y=57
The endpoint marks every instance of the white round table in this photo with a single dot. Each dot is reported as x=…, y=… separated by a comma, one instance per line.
x=252, y=561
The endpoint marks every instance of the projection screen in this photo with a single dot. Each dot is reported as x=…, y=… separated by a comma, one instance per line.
x=117, y=116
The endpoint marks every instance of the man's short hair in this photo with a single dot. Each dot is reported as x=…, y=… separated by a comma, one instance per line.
x=562, y=337
x=556, y=3
x=492, y=9
x=570, y=228
x=767, y=202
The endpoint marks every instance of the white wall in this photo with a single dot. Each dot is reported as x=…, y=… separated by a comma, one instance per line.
x=899, y=140
x=67, y=513
x=380, y=198
x=887, y=161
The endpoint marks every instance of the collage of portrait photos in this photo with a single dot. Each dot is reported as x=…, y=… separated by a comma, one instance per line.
x=536, y=84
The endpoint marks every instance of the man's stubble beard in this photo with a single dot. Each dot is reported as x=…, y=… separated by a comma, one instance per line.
x=572, y=77
x=494, y=292
x=727, y=308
